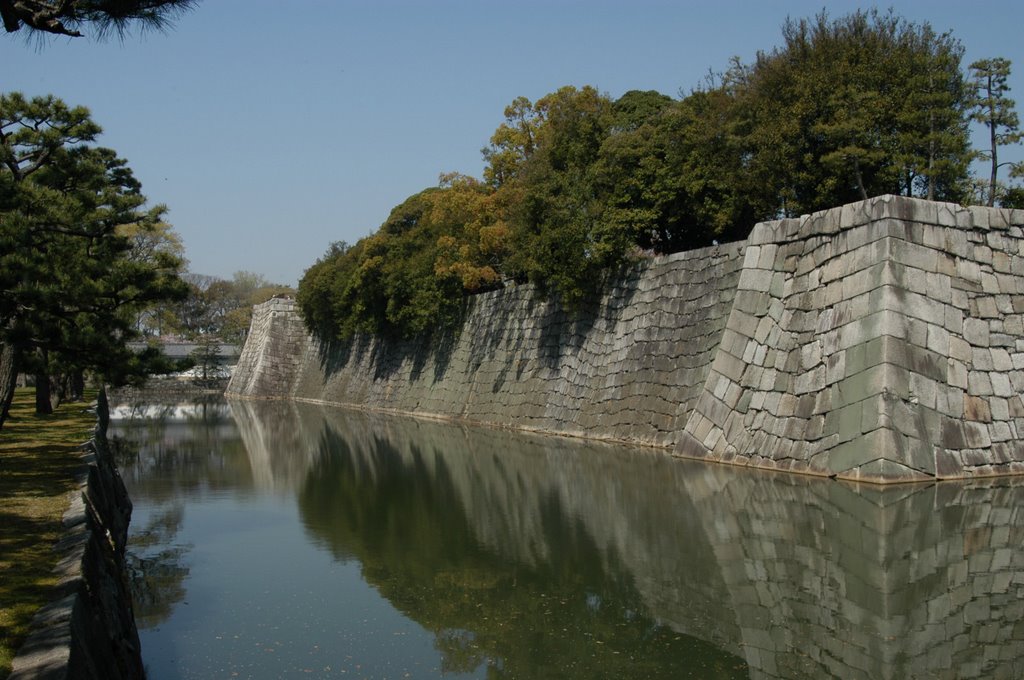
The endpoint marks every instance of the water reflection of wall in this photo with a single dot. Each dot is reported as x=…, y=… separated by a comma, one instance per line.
x=918, y=582
x=800, y=577
x=281, y=452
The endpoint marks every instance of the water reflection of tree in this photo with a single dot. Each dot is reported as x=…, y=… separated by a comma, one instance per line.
x=576, y=615
x=165, y=453
x=155, y=569
x=165, y=450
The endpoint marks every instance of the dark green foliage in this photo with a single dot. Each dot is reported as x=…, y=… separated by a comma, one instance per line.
x=635, y=108
x=321, y=285
x=676, y=178
x=578, y=185
x=1012, y=198
x=68, y=285
x=864, y=105
x=403, y=258
x=558, y=239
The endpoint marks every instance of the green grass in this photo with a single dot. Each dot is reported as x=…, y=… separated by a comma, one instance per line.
x=38, y=458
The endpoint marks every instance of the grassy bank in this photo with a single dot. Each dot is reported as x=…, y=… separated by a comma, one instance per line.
x=38, y=457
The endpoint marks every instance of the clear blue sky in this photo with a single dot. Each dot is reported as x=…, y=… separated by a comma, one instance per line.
x=272, y=128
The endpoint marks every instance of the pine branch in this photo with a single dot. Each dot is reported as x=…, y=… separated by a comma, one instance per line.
x=64, y=17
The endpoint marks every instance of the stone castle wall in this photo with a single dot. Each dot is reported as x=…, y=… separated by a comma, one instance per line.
x=628, y=369
x=881, y=341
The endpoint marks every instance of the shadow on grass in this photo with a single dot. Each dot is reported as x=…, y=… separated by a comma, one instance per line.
x=27, y=580
x=39, y=457
x=36, y=471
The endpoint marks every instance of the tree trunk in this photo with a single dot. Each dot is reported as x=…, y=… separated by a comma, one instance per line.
x=58, y=390
x=931, y=156
x=993, y=140
x=860, y=179
x=43, y=405
x=8, y=378
x=77, y=386
x=995, y=168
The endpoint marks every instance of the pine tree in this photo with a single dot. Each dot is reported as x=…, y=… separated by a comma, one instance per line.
x=69, y=289
x=996, y=111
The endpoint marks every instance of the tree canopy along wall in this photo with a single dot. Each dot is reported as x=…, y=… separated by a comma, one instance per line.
x=882, y=341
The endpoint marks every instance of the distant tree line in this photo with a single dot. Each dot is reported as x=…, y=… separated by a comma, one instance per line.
x=212, y=308
x=577, y=184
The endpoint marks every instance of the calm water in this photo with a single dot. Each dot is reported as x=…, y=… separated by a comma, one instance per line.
x=288, y=540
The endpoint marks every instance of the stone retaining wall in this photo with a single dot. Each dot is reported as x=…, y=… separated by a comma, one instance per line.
x=88, y=632
x=629, y=368
x=881, y=341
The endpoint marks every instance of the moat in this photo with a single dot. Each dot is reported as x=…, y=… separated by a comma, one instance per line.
x=278, y=539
